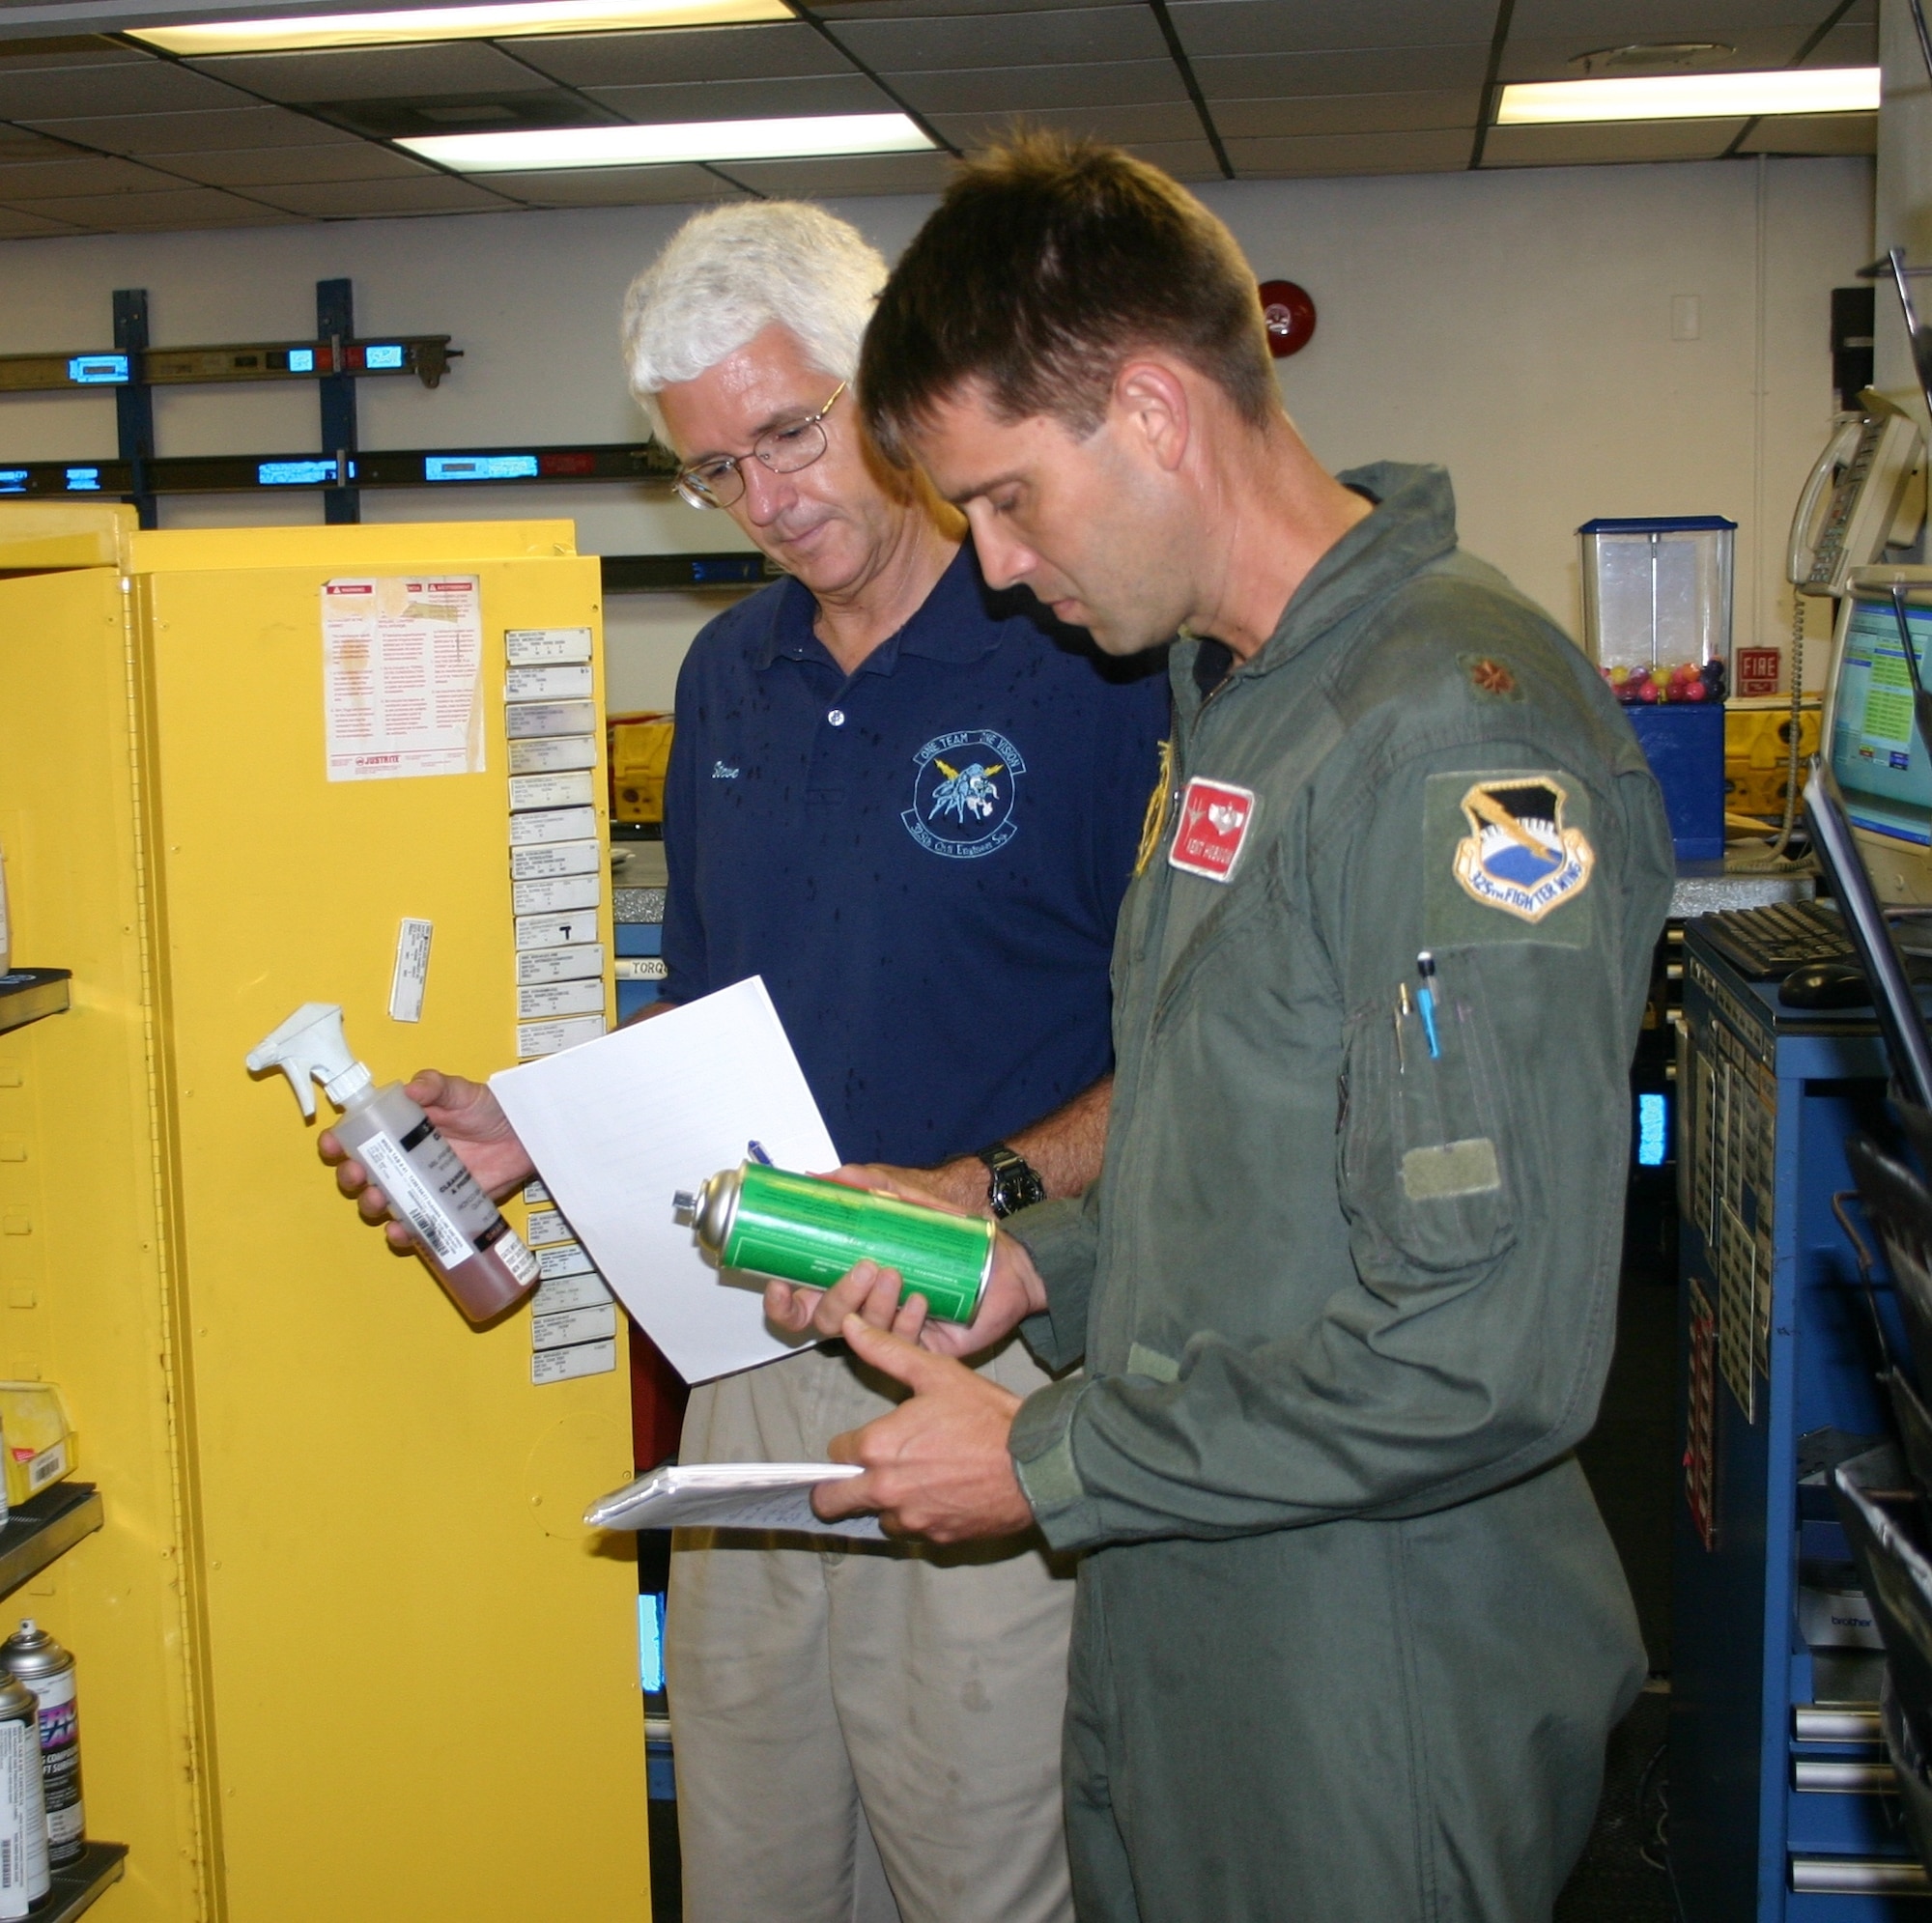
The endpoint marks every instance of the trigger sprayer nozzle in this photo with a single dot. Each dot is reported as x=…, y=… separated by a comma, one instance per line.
x=311, y=1046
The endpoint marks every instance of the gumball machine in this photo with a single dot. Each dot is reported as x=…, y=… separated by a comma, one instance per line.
x=1657, y=622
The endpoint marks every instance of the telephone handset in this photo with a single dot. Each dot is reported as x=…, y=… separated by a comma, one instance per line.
x=1866, y=492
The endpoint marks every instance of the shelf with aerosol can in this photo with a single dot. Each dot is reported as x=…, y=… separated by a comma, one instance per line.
x=77, y=1886
x=44, y=1528
x=26, y=993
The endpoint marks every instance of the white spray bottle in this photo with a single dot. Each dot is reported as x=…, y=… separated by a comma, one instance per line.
x=476, y=1256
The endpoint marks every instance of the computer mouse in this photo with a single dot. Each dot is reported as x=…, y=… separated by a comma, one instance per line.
x=1826, y=984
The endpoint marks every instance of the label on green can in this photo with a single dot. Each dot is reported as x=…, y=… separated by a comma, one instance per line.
x=802, y=1228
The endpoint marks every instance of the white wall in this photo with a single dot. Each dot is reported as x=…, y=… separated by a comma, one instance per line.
x=1515, y=325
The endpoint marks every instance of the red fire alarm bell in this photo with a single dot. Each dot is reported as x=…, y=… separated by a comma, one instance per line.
x=1289, y=315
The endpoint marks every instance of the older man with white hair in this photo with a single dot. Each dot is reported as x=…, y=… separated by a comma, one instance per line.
x=913, y=808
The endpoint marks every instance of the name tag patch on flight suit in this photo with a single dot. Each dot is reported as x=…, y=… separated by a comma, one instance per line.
x=1215, y=817
x=1507, y=853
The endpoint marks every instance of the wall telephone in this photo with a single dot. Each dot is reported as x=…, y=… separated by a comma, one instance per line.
x=1866, y=492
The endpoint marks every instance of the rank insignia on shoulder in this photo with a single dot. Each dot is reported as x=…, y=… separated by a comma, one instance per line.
x=1215, y=817
x=1519, y=855
x=1492, y=677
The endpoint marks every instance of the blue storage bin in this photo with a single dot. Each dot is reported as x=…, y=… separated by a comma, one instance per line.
x=1684, y=743
x=644, y=938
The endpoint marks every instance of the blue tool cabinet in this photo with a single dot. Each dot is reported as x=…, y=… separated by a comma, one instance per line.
x=1779, y=1803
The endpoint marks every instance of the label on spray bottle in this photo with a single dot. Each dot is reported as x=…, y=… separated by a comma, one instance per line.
x=23, y=1823
x=429, y=1187
x=59, y=1764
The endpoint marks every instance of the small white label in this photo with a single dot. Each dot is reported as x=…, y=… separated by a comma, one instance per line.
x=48, y=1466
x=574, y=1325
x=560, y=998
x=564, y=1365
x=643, y=968
x=536, y=1038
x=565, y=1261
x=525, y=719
x=555, y=932
x=535, y=1194
x=551, y=753
x=563, y=858
x=557, y=681
x=567, y=1292
x=412, y=972
x=547, y=1225
x=563, y=824
x=526, y=646
x=559, y=964
x=513, y=1252
x=557, y=894
x=573, y=790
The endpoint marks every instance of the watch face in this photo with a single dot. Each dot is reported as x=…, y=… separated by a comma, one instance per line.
x=1016, y=1187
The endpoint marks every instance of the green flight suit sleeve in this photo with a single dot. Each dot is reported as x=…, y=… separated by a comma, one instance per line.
x=1481, y=1177
x=1062, y=1238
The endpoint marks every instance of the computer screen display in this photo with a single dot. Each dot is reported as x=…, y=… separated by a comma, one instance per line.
x=1881, y=765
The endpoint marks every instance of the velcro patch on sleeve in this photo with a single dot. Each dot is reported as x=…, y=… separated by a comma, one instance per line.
x=1507, y=859
x=1447, y=1169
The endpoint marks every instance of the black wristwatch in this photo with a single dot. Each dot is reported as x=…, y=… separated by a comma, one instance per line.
x=1016, y=1182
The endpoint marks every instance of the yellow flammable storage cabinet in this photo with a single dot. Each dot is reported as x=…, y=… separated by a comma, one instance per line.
x=345, y=1648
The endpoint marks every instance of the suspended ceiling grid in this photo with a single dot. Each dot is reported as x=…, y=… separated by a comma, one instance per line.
x=99, y=135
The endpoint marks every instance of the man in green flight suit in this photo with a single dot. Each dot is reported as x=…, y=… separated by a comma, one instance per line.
x=1350, y=1633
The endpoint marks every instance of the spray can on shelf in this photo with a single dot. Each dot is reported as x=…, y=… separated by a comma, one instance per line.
x=805, y=1228
x=24, y=1877
x=478, y=1257
x=31, y=1656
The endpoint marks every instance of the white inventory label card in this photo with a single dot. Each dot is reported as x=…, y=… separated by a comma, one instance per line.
x=402, y=666
x=535, y=1194
x=524, y=718
x=545, y=999
x=551, y=753
x=555, y=932
x=641, y=968
x=569, y=790
x=568, y=1268
x=530, y=646
x=411, y=976
x=560, y=858
x=574, y=1325
x=558, y=681
x=559, y=964
x=564, y=1365
x=537, y=1038
x=557, y=894
x=547, y=1225
x=563, y=824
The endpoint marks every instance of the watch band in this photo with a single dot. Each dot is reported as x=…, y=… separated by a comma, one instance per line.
x=1017, y=1183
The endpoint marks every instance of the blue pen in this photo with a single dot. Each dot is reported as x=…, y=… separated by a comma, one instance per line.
x=1425, y=1000
x=756, y=1152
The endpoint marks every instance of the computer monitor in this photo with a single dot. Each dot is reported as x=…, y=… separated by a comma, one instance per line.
x=1882, y=767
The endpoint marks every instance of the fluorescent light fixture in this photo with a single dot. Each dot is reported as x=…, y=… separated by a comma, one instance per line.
x=657, y=145
x=1800, y=90
x=432, y=23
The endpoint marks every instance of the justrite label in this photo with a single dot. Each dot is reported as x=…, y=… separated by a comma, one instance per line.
x=1215, y=817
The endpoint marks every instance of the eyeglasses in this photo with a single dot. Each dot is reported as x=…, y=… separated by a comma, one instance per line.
x=719, y=482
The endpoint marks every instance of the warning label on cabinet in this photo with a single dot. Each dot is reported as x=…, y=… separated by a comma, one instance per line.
x=402, y=676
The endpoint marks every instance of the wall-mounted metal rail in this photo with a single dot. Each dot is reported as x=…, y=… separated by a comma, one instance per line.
x=427, y=356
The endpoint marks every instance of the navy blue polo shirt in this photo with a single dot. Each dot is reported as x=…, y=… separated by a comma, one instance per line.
x=924, y=860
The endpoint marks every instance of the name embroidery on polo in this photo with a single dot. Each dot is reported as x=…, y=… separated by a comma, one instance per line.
x=719, y=771
x=963, y=788
x=1215, y=817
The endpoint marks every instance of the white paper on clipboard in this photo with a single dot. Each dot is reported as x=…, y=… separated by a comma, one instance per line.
x=402, y=671
x=618, y=1125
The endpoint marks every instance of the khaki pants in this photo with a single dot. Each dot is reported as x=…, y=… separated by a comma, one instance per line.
x=864, y=1732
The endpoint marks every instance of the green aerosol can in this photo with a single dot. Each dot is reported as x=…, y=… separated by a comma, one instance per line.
x=805, y=1228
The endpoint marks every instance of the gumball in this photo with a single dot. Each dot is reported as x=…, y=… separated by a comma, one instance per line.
x=1694, y=690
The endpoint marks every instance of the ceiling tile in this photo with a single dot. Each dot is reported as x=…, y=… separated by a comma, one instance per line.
x=138, y=87
x=22, y=226
x=745, y=100
x=1351, y=113
x=280, y=166
x=1617, y=22
x=1813, y=133
x=1120, y=124
x=181, y=208
x=47, y=179
x=70, y=50
x=1549, y=57
x=1850, y=44
x=986, y=90
x=176, y=133
x=857, y=175
x=1436, y=153
x=1601, y=144
x=376, y=73
x=1004, y=40
x=660, y=58
x=615, y=186
x=18, y=143
x=1298, y=26
x=1385, y=71
x=354, y=200
x=925, y=10
x=1184, y=159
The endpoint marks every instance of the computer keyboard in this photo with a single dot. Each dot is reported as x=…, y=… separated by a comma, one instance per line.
x=1766, y=944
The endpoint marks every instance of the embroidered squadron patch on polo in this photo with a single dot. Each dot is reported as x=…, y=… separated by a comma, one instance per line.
x=1519, y=856
x=963, y=789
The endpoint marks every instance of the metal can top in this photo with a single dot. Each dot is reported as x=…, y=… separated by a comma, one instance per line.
x=31, y=1652
x=713, y=1208
x=18, y=1703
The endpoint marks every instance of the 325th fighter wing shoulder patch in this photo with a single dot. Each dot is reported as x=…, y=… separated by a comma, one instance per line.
x=1509, y=858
